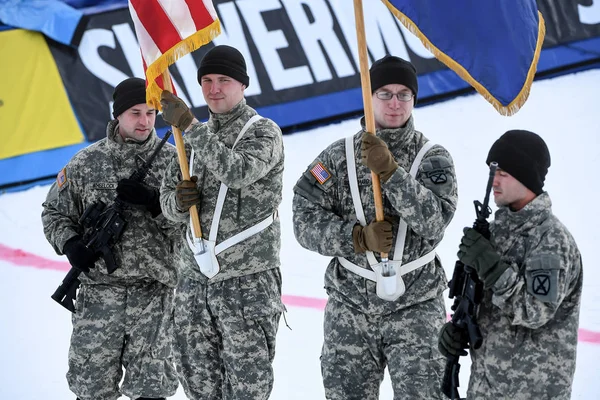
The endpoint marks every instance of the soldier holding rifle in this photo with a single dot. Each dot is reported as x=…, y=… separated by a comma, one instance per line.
x=122, y=319
x=532, y=275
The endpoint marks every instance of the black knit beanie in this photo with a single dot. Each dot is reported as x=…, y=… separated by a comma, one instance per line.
x=392, y=69
x=127, y=94
x=524, y=155
x=224, y=60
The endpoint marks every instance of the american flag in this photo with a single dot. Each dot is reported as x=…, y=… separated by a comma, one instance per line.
x=168, y=30
x=320, y=173
x=61, y=178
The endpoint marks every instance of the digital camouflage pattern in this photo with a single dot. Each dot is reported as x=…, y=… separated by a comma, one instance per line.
x=145, y=250
x=359, y=346
x=226, y=326
x=128, y=326
x=361, y=322
x=128, y=311
x=225, y=336
x=253, y=171
x=530, y=317
x=324, y=216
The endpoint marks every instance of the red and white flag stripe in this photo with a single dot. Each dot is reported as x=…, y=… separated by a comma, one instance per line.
x=169, y=29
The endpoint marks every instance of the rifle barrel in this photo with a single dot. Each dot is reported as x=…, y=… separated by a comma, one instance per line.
x=486, y=199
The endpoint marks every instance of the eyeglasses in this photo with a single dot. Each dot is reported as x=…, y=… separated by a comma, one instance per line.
x=402, y=96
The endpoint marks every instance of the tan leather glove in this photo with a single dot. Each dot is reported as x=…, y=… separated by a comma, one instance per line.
x=377, y=236
x=187, y=194
x=377, y=157
x=174, y=111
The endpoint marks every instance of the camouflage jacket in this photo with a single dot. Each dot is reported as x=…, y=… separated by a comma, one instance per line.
x=324, y=216
x=145, y=249
x=529, y=318
x=253, y=172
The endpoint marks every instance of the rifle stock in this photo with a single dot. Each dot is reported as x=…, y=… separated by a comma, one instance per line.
x=450, y=379
x=66, y=293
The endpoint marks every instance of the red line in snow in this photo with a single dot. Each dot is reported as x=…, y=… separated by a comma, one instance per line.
x=25, y=259
x=306, y=302
x=589, y=336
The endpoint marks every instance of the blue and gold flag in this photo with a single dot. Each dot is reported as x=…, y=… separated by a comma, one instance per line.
x=494, y=45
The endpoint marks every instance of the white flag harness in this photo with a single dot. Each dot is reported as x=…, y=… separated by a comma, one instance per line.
x=400, y=269
x=205, y=251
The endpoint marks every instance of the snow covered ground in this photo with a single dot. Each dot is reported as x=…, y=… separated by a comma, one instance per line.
x=34, y=330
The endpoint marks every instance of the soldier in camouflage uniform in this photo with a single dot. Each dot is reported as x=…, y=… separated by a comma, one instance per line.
x=366, y=330
x=122, y=320
x=226, y=318
x=532, y=274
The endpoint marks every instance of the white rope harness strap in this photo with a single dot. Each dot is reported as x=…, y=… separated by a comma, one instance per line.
x=396, y=262
x=205, y=251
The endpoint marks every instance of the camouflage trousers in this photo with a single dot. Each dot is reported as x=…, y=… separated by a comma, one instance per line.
x=358, y=347
x=116, y=328
x=225, y=336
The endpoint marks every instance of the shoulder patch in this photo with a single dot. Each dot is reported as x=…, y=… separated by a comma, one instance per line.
x=543, y=284
x=320, y=173
x=315, y=181
x=437, y=176
x=437, y=169
x=542, y=277
x=61, y=178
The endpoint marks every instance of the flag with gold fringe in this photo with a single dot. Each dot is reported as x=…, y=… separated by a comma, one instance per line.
x=494, y=45
x=168, y=30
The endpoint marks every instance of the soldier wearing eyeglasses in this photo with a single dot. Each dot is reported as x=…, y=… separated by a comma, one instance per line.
x=367, y=329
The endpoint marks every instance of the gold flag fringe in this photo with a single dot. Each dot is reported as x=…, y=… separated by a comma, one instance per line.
x=514, y=105
x=186, y=46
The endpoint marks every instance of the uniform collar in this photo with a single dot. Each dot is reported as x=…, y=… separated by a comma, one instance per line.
x=394, y=136
x=118, y=145
x=216, y=122
x=526, y=218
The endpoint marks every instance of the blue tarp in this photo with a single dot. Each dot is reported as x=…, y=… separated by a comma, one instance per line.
x=53, y=18
x=93, y=3
x=96, y=6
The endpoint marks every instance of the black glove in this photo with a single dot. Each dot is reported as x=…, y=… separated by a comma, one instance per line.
x=452, y=341
x=187, y=194
x=477, y=252
x=79, y=255
x=139, y=194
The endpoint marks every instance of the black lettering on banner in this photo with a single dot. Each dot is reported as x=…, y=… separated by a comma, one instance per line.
x=295, y=50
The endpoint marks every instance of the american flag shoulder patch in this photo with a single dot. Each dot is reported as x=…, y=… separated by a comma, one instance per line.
x=61, y=178
x=320, y=173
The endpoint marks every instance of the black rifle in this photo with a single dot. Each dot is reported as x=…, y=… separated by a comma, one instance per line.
x=103, y=226
x=467, y=290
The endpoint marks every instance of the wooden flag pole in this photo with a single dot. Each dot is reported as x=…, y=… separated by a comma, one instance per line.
x=183, y=161
x=368, y=102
